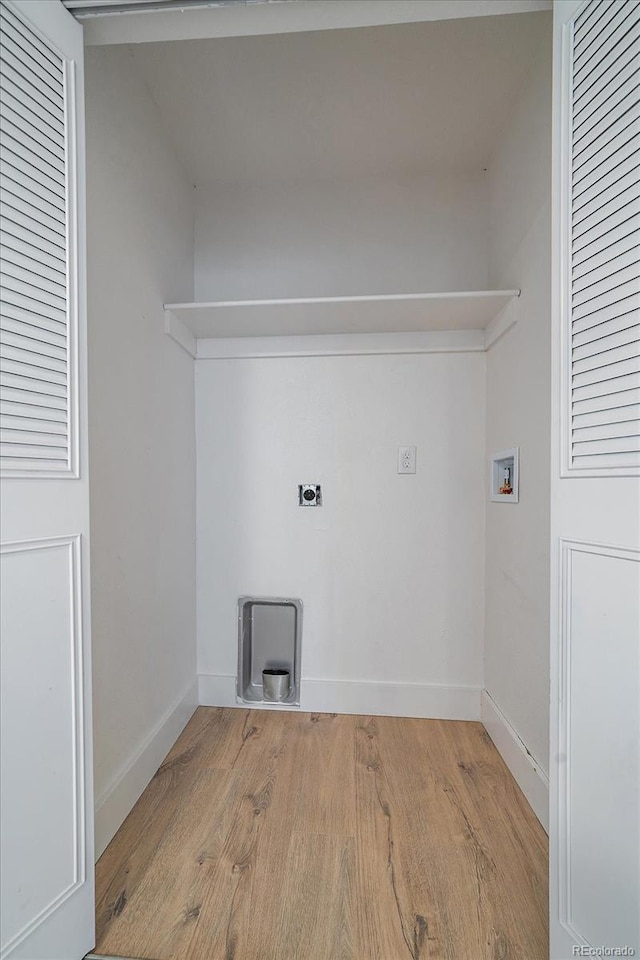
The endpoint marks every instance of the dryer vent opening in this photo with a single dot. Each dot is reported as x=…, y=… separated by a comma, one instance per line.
x=269, y=639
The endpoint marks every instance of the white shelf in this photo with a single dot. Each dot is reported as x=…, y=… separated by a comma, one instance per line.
x=255, y=327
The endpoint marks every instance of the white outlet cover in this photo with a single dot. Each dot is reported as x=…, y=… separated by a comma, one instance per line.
x=407, y=459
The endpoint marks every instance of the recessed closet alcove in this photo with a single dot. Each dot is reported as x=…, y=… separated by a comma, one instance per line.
x=306, y=250
x=319, y=373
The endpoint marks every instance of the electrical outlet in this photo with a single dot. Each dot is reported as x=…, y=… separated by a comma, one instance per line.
x=407, y=459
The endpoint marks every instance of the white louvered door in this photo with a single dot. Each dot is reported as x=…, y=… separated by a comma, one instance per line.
x=47, y=887
x=595, y=490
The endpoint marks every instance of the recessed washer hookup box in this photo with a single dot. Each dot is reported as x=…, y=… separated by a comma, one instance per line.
x=269, y=637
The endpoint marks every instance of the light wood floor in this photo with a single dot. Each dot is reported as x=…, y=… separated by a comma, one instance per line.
x=268, y=835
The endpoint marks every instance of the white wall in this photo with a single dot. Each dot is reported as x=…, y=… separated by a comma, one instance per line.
x=366, y=235
x=390, y=568
x=518, y=414
x=142, y=447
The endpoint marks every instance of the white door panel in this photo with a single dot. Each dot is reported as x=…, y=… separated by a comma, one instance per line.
x=599, y=724
x=42, y=678
x=595, y=491
x=47, y=910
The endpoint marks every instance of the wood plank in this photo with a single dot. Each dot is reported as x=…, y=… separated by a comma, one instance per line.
x=472, y=826
x=499, y=816
x=317, y=899
x=325, y=772
x=204, y=816
x=259, y=939
x=260, y=757
x=380, y=931
x=446, y=875
x=126, y=859
x=159, y=922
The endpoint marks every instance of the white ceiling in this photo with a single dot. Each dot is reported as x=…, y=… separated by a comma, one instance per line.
x=377, y=101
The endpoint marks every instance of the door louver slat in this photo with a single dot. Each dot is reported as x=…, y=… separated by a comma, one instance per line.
x=34, y=326
x=31, y=304
x=605, y=255
x=585, y=292
x=628, y=229
x=606, y=357
x=38, y=91
x=607, y=386
x=42, y=170
x=610, y=117
x=624, y=414
x=16, y=236
x=32, y=58
x=37, y=408
x=614, y=401
x=606, y=167
x=26, y=368
x=23, y=36
x=614, y=370
x=607, y=188
x=18, y=322
x=36, y=109
x=591, y=116
x=599, y=75
x=620, y=326
x=14, y=246
x=593, y=93
x=35, y=360
x=618, y=293
x=605, y=342
x=39, y=278
x=600, y=232
x=37, y=352
x=32, y=229
x=32, y=384
x=605, y=144
x=592, y=275
x=626, y=78
x=622, y=202
x=598, y=61
x=29, y=200
x=596, y=40
x=24, y=133
x=40, y=299
x=596, y=9
x=26, y=424
x=30, y=174
x=600, y=447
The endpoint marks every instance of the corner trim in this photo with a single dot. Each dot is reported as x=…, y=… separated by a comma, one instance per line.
x=429, y=701
x=118, y=798
x=526, y=770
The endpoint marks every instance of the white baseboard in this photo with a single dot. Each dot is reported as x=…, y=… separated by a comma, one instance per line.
x=431, y=701
x=527, y=772
x=119, y=797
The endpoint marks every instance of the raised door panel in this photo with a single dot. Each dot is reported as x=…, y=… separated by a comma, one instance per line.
x=42, y=773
